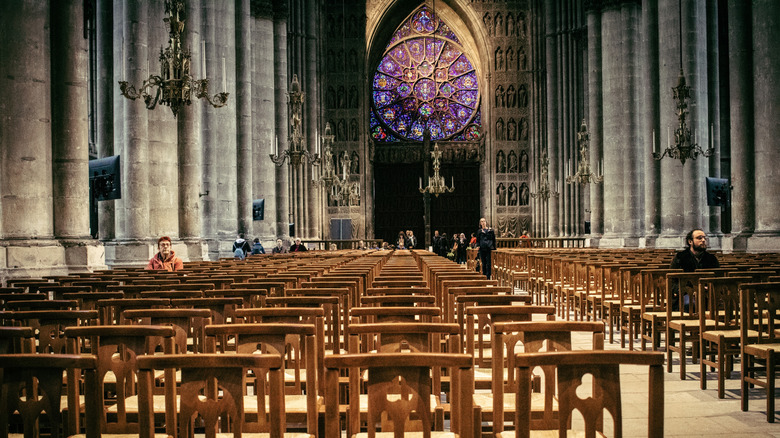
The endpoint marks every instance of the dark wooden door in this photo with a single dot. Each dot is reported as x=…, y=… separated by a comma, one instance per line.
x=457, y=212
x=398, y=204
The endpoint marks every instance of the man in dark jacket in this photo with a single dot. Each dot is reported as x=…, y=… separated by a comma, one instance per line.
x=692, y=258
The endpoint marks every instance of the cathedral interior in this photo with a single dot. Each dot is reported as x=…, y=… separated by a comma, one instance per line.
x=124, y=121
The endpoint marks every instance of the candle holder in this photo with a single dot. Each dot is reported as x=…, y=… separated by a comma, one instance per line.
x=436, y=185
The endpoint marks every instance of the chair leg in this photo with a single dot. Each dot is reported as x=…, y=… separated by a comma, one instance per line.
x=721, y=368
x=770, y=388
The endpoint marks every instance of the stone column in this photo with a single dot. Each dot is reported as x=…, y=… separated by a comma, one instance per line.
x=190, y=152
x=743, y=201
x=312, y=106
x=263, y=117
x=633, y=149
x=595, y=119
x=208, y=134
x=552, y=18
x=281, y=122
x=766, y=62
x=69, y=72
x=243, y=102
x=651, y=129
x=712, y=129
x=109, y=54
x=537, y=32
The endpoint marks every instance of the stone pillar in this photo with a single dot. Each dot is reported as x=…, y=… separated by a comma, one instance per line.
x=281, y=122
x=743, y=201
x=243, y=38
x=766, y=108
x=537, y=31
x=595, y=119
x=713, y=119
x=109, y=54
x=190, y=152
x=134, y=246
x=552, y=18
x=208, y=134
x=312, y=106
x=263, y=117
x=651, y=129
x=69, y=72
x=632, y=148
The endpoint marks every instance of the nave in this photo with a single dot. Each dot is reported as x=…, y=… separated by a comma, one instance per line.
x=317, y=316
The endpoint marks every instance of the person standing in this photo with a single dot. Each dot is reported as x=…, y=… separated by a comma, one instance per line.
x=165, y=258
x=436, y=243
x=411, y=240
x=461, y=255
x=486, y=242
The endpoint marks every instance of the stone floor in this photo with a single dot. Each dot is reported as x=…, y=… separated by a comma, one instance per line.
x=688, y=410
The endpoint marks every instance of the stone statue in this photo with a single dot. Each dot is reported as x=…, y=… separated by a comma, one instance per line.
x=510, y=25
x=511, y=130
x=499, y=96
x=523, y=129
x=511, y=96
x=501, y=192
x=488, y=20
x=512, y=194
x=512, y=162
x=499, y=59
x=499, y=23
x=510, y=58
x=500, y=133
x=523, y=162
x=524, y=194
x=500, y=162
x=522, y=96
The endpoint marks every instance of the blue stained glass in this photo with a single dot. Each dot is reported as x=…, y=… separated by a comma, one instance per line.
x=424, y=82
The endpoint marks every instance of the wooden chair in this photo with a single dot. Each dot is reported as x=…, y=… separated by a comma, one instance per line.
x=117, y=348
x=719, y=334
x=111, y=311
x=295, y=343
x=683, y=320
x=188, y=324
x=213, y=389
x=394, y=377
x=653, y=323
x=18, y=371
x=604, y=367
x=222, y=309
x=760, y=313
x=500, y=404
x=49, y=326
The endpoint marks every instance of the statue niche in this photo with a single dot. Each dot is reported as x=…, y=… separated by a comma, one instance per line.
x=501, y=193
x=511, y=159
x=512, y=194
x=500, y=133
x=500, y=162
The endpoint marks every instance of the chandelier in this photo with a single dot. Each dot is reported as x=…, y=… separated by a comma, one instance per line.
x=344, y=191
x=584, y=174
x=543, y=190
x=685, y=146
x=174, y=86
x=436, y=185
x=297, y=149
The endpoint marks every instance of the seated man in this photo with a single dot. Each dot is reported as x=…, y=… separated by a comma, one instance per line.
x=257, y=248
x=693, y=257
x=298, y=247
x=279, y=248
x=165, y=258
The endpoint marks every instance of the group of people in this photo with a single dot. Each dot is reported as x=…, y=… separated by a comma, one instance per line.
x=452, y=248
x=406, y=240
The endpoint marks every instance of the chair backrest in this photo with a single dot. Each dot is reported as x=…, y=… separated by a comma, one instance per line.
x=117, y=348
x=604, y=368
x=45, y=373
x=213, y=388
x=17, y=340
x=399, y=376
x=188, y=324
x=49, y=326
x=719, y=302
x=759, y=313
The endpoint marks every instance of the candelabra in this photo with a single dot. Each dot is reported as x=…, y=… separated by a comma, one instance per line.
x=584, y=174
x=436, y=185
x=543, y=191
x=174, y=86
x=685, y=146
x=297, y=149
x=344, y=191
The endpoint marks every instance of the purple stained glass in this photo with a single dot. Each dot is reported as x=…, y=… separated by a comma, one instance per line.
x=466, y=82
x=390, y=67
x=424, y=82
x=384, y=82
x=425, y=89
x=472, y=132
x=468, y=98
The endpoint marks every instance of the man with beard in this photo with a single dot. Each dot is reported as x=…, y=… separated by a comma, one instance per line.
x=692, y=258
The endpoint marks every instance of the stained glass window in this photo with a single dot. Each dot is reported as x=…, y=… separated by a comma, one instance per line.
x=424, y=80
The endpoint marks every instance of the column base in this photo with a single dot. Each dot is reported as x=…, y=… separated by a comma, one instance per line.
x=752, y=242
x=130, y=253
x=36, y=258
x=193, y=250
x=614, y=241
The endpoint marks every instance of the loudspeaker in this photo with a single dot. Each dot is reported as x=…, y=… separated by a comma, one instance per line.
x=258, y=209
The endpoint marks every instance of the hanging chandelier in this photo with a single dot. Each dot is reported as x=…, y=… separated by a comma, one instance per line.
x=174, y=86
x=297, y=148
x=436, y=185
x=344, y=191
x=584, y=174
x=543, y=190
x=685, y=146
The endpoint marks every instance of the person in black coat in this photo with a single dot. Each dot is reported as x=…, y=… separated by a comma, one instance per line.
x=692, y=258
x=486, y=242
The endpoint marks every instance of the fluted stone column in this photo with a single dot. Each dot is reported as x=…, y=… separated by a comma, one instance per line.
x=743, y=202
x=190, y=152
x=264, y=116
x=766, y=62
x=633, y=150
x=243, y=38
x=537, y=32
x=651, y=129
x=208, y=134
x=281, y=122
x=712, y=136
x=595, y=120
